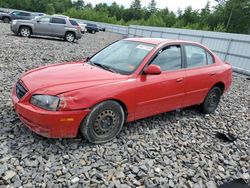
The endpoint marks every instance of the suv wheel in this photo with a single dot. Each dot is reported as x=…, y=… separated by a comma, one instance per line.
x=93, y=32
x=70, y=37
x=6, y=20
x=25, y=31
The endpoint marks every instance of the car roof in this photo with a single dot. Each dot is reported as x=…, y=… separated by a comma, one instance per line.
x=21, y=11
x=158, y=41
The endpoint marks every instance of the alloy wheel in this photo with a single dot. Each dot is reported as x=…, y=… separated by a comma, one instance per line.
x=25, y=32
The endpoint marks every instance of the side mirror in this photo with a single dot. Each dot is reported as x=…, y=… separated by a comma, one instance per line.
x=152, y=69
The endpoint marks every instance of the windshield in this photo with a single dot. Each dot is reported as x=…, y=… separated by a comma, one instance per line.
x=123, y=56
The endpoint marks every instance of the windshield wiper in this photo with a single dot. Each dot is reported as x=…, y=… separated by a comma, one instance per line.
x=105, y=67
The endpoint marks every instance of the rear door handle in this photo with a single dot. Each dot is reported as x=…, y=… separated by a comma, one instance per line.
x=213, y=73
x=179, y=79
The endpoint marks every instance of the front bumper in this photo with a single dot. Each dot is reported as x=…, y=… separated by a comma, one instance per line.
x=51, y=124
x=14, y=28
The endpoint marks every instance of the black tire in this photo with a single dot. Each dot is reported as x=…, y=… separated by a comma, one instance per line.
x=25, y=31
x=211, y=101
x=6, y=20
x=103, y=123
x=93, y=31
x=70, y=37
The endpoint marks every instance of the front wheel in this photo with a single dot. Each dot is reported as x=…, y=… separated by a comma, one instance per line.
x=211, y=101
x=25, y=31
x=70, y=37
x=103, y=123
x=6, y=20
x=93, y=31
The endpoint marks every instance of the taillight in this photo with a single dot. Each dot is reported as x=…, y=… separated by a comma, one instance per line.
x=78, y=28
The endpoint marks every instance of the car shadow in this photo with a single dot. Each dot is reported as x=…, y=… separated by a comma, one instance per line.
x=45, y=38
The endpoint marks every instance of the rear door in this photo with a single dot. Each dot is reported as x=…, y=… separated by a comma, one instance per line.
x=58, y=26
x=42, y=26
x=163, y=92
x=201, y=73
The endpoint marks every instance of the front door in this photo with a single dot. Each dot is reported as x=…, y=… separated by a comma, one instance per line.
x=163, y=92
x=42, y=26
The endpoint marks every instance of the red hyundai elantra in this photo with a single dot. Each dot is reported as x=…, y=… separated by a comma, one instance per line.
x=128, y=80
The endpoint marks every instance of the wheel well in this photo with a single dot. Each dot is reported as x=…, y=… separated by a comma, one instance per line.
x=70, y=32
x=6, y=17
x=124, y=107
x=24, y=26
x=220, y=85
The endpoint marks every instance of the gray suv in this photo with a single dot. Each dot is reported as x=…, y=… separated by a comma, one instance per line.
x=55, y=26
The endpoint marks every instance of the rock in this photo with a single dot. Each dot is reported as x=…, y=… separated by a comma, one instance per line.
x=245, y=176
x=135, y=169
x=75, y=180
x=211, y=184
x=220, y=168
x=119, y=174
x=17, y=183
x=9, y=175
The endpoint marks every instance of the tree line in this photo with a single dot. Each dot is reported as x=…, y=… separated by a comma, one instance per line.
x=227, y=16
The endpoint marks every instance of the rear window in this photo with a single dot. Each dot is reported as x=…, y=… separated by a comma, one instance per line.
x=73, y=22
x=58, y=21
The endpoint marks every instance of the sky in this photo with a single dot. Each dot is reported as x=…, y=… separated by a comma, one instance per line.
x=171, y=4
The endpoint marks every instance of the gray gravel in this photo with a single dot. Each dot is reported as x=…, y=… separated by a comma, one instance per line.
x=176, y=149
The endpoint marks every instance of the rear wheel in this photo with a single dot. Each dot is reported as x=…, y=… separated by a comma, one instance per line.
x=93, y=32
x=211, y=101
x=103, y=123
x=70, y=37
x=25, y=31
x=6, y=20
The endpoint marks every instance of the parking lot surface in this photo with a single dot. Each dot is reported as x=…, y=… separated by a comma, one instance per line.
x=172, y=149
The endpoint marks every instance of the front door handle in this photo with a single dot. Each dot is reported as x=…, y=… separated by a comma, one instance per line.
x=179, y=79
x=213, y=73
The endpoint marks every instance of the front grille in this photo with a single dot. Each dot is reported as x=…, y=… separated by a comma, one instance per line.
x=20, y=90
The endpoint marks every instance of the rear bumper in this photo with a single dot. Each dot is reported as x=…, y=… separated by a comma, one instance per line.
x=78, y=35
x=58, y=124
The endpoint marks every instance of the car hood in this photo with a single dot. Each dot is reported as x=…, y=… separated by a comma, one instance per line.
x=61, y=78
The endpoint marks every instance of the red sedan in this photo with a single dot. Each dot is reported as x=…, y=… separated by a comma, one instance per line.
x=128, y=80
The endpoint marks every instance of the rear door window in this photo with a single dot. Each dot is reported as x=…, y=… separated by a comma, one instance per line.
x=195, y=56
x=58, y=21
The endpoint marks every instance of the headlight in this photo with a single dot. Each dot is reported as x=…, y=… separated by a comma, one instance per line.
x=13, y=22
x=46, y=102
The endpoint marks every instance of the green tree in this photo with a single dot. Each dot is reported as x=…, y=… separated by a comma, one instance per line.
x=152, y=6
x=50, y=9
x=79, y=4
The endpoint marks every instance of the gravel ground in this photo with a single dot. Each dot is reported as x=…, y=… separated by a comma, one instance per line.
x=176, y=149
